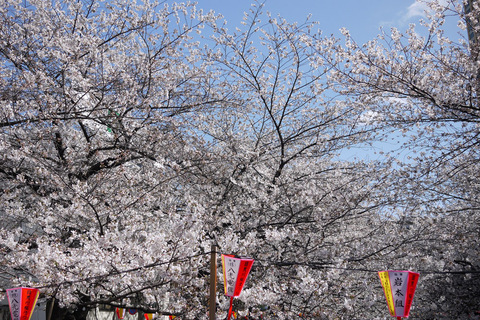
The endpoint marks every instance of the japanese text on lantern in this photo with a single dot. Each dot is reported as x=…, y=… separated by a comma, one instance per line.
x=235, y=272
x=22, y=302
x=14, y=296
x=385, y=280
x=398, y=281
x=399, y=288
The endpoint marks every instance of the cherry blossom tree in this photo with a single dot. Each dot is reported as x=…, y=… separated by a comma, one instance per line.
x=92, y=151
x=423, y=86
x=277, y=190
x=135, y=135
x=127, y=150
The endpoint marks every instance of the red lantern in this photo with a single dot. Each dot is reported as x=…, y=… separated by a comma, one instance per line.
x=149, y=316
x=120, y=313
x=22, y=302
x=399, y=288
x=235, y=273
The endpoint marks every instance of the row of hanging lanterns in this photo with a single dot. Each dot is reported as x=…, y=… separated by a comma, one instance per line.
x=399, y=288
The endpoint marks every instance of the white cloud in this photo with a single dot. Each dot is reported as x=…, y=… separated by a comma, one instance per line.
x=418, y=8
x=414, y=10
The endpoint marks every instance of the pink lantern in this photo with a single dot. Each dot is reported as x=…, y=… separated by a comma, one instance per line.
x=399, y=288
x=235, y=273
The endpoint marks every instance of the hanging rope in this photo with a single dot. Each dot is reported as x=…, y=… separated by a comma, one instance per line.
x=323, y=265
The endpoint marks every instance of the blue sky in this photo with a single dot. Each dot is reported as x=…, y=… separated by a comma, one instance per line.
x=362, y=17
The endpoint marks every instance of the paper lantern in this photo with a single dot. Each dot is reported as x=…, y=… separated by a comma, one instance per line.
x=235, y=273
x=399, y=288
x=120, y=313
x=22, y=302
x=149, y=316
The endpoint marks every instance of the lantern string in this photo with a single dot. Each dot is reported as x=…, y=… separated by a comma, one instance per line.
x=325, y=265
